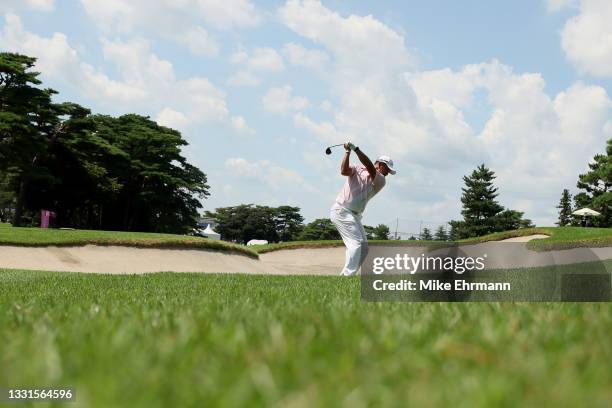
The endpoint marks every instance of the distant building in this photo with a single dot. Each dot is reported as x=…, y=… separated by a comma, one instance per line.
x=205, y=222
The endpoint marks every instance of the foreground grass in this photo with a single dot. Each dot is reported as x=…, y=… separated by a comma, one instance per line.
x=236, y=340
x=44, y=237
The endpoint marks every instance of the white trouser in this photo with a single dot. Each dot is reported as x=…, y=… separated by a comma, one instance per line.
x=353, y=235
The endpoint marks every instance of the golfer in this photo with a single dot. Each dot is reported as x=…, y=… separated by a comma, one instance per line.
x=362, y=183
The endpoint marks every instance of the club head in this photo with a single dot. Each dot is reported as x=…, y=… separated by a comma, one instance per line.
x=328, y=151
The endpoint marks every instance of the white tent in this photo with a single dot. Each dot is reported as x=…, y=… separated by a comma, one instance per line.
x=586, y=212
x=208, y=232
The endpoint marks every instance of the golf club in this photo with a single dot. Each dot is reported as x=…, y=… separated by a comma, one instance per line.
x=328, y=150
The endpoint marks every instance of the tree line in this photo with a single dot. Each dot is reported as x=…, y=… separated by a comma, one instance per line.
x=94, y=171
x=244, y=222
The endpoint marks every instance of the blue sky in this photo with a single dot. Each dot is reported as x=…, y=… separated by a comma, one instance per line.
x=260, y=88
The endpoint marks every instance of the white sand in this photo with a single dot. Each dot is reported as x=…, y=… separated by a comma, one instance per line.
x=526, y=238
x=128, y=260
x=305, y=261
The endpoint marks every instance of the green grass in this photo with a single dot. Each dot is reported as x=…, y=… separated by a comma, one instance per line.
x=235, y=340
x=44, y=237
x=558, y=237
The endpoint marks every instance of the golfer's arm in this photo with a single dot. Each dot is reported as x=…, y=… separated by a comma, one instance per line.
x=365, y=160
x=345, y=169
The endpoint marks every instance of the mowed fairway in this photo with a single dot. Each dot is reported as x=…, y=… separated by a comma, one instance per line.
x=195, y=339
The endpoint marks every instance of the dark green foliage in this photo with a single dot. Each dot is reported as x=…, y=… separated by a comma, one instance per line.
x=319, y=229
x=596, y=185
x=482, y=214
x=426, y=234
x=565, y=209
x=381, y=232
x=289, y=222
x=28, y=124
x=247, y=221
x=95, y=172
x=441, y=234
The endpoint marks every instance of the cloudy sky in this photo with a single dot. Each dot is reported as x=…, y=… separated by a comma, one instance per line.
x=260, y=88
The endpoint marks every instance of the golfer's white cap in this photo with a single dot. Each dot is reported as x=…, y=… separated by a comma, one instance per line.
x=387, y=160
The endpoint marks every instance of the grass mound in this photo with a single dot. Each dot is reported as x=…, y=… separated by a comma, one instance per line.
x=558, y=237
x=45, y=237
x=146, y=340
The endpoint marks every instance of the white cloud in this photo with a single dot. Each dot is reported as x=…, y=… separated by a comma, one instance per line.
x=243, y=78
x=266, y=59
x=326, y=131
x=226, y=13
x=271, y=176
x=359, y=44
x=147, y=83
x=240, y=126
x=36, y=5
x=280, y=100
x=180, y=21
x=172, y=119
x=130, y=15
x=299, y=55
x=238, y=57
x=326, y=106
x=587, y=38
x=58, y=61
x=199, y=41
x=556, y=5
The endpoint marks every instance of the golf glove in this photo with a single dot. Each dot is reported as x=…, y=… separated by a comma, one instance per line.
x=350, y=146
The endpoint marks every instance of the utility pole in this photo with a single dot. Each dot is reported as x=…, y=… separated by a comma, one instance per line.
x=396, y=223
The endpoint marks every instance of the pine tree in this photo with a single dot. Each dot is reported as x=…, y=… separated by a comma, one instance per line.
x=441, y=234
x=426, y=235
x=479, y=202
x=565, y=209
x=597, y=186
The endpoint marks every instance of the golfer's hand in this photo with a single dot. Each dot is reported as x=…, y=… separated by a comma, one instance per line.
x=349, y=146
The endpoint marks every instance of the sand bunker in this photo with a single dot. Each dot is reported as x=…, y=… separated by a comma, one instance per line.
x=129, y=260
x=306, y=261
x=526, y=238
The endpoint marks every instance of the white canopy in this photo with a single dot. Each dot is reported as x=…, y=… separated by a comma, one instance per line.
x=587, y=212
x=211, y=234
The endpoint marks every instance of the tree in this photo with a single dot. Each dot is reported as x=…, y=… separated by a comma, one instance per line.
x=441, y=234
x=244, y=222
x=319, y=229
x=511, y=220
x=7, y=199
x=479, y=202
x=380, y=232
x=565, y=209
x=289, y=222
x=426, y=235
x=596, y=185
x=156, y=188
x=482, y=214
x=28, y=123
x=452, y=233
x=123, y=173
